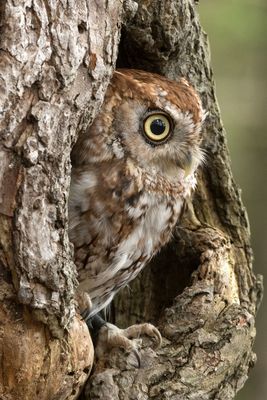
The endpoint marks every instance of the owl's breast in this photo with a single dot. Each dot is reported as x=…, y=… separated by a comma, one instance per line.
x=155, y=218
x=116, y=226
x=147, y=226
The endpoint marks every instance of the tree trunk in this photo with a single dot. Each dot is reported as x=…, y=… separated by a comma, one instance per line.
x=56, y=61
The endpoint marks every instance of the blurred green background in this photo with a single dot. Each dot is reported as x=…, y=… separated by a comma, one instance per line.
x=237, y=31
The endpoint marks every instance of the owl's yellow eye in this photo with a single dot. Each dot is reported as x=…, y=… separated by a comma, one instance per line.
x=157, y=127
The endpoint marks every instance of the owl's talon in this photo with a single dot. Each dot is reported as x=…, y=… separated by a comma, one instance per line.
x=138, y=357
x=111, y=336
x=135, y=331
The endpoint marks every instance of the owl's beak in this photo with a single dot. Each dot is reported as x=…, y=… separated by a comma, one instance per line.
x=187, y=164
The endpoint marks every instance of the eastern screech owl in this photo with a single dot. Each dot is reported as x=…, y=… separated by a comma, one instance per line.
x=132, y=170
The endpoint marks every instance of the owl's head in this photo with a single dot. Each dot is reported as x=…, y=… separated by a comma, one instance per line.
x=151, y=120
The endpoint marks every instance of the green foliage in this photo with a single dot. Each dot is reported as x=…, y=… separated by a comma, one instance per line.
x=239, y=28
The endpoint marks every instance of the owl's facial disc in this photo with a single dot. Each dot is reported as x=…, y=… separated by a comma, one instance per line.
x=157, y=127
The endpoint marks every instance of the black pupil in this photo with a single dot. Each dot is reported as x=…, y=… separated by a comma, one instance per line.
x=157, y=126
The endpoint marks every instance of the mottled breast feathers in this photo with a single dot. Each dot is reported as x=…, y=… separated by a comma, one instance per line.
x=131, y=172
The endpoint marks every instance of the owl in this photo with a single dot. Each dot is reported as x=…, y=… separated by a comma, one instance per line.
x=132, y=171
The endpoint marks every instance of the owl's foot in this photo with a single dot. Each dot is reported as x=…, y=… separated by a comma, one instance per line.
x=110, y=336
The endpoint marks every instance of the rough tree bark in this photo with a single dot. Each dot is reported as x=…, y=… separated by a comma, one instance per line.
x=55, y=63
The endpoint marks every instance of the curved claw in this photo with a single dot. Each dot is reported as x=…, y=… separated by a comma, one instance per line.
x=110, y=336
x=138, y=357
x=136, y=331
x=157, y=336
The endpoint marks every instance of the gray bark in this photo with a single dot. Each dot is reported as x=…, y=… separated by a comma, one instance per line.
x=56, y=61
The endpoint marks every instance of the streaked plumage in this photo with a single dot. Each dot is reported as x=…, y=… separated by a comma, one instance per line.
x=127, y=191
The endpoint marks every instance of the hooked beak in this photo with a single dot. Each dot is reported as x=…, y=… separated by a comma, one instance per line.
x=188, y=164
